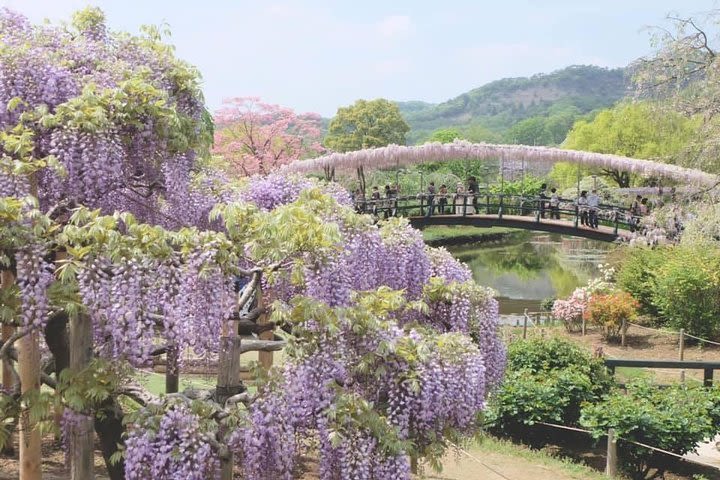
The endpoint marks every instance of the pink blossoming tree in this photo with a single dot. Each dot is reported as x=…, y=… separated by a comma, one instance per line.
x=255, y=137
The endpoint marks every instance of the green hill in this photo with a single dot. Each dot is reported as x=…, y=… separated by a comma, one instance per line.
x=490, y=111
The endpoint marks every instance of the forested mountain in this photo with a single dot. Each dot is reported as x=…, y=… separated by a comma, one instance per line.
x=491, y=111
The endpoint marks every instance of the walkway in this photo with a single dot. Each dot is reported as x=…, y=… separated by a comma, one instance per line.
x=512, y=211
x=565, y=227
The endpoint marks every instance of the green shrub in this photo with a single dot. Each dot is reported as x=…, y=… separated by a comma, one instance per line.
x=541, y=355
x=547, y=380
x=637, y=275
x=674, y=419
x=687, y=290
x=547, y=304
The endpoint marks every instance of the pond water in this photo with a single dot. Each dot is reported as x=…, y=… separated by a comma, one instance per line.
x=531, y=267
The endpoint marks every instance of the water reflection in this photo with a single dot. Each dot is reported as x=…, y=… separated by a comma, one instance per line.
x=532, y=267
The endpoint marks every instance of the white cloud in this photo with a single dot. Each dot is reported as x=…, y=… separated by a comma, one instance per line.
x=394, y=26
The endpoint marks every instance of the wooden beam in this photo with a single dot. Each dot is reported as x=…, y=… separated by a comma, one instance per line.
x=82, y=436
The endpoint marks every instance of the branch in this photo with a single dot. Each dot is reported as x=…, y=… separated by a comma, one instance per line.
x=261, y=345
x=5, y=349
x=160, y=350
x=249, y=290
x=253, y=314
x=139, y=394
x=243, y=398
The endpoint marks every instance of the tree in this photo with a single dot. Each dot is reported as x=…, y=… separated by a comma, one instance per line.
x=531, y=131
x=684, y=73
x=633, y=130
x=257, y=137
x=445, y=135
x=366, y=124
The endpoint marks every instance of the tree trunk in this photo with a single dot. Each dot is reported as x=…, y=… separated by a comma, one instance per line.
x=56, y=338
x=109, y=427
x=82, y=435
x=361, y=179
x=172, y=370
x=621, y=178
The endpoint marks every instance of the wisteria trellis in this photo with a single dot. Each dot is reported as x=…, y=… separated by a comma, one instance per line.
x=399, y=155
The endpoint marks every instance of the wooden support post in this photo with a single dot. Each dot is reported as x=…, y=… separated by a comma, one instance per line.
x=681, y=353
x=265, y=358
x=708, y=377
x=623, y=330
x=29, y=368
x=611, y=465
x=172, y=370
x=525, y=319
x=582, y=325
x=30, y=440
x=7, y=279
x=228, y=384
x=413, y=465
x=83, y=432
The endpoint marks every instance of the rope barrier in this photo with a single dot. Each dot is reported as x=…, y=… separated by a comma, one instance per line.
x=701, y=339
x=650, y=447
x=477, y=460
x=564, y=427
x=674, y=333
x=665, y=332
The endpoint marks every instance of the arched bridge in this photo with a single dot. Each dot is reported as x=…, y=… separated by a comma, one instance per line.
x=492, y=210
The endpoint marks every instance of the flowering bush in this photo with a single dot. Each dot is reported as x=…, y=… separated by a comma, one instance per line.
x=570, y=311
x=611, y=311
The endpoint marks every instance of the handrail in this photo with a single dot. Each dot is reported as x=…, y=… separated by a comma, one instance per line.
x=614, y=216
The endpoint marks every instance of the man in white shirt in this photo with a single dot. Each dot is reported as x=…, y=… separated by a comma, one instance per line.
x=593, y=202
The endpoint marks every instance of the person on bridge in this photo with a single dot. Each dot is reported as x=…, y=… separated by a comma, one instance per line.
x=473, y=190
x=543, y=197
x=554, y=204
x=582, y=202
x=460, y=202
x=430, y=199
x=442, y=199
x=375, y=199
x=593, y=203
x=635, y=213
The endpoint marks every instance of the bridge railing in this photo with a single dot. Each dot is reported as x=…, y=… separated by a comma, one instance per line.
x=613, y=216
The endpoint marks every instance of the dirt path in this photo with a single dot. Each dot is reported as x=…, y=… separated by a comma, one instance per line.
x=497, y=466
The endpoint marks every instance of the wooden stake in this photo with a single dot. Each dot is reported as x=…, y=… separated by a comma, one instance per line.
x=525, y=319
x=623, y=330
x=30, y=440
x=611, y=466
x=228, y=384
x=265, y=358
x=681, y=353
x=83, y=435
x=7, y=279
x=172, y=372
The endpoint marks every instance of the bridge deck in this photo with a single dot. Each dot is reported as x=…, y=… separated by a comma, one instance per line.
x=565, y=227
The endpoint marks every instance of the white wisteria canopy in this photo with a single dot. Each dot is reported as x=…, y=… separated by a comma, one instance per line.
x=398, y=155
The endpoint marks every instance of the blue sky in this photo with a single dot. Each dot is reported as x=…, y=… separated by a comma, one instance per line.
x=316, y=55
